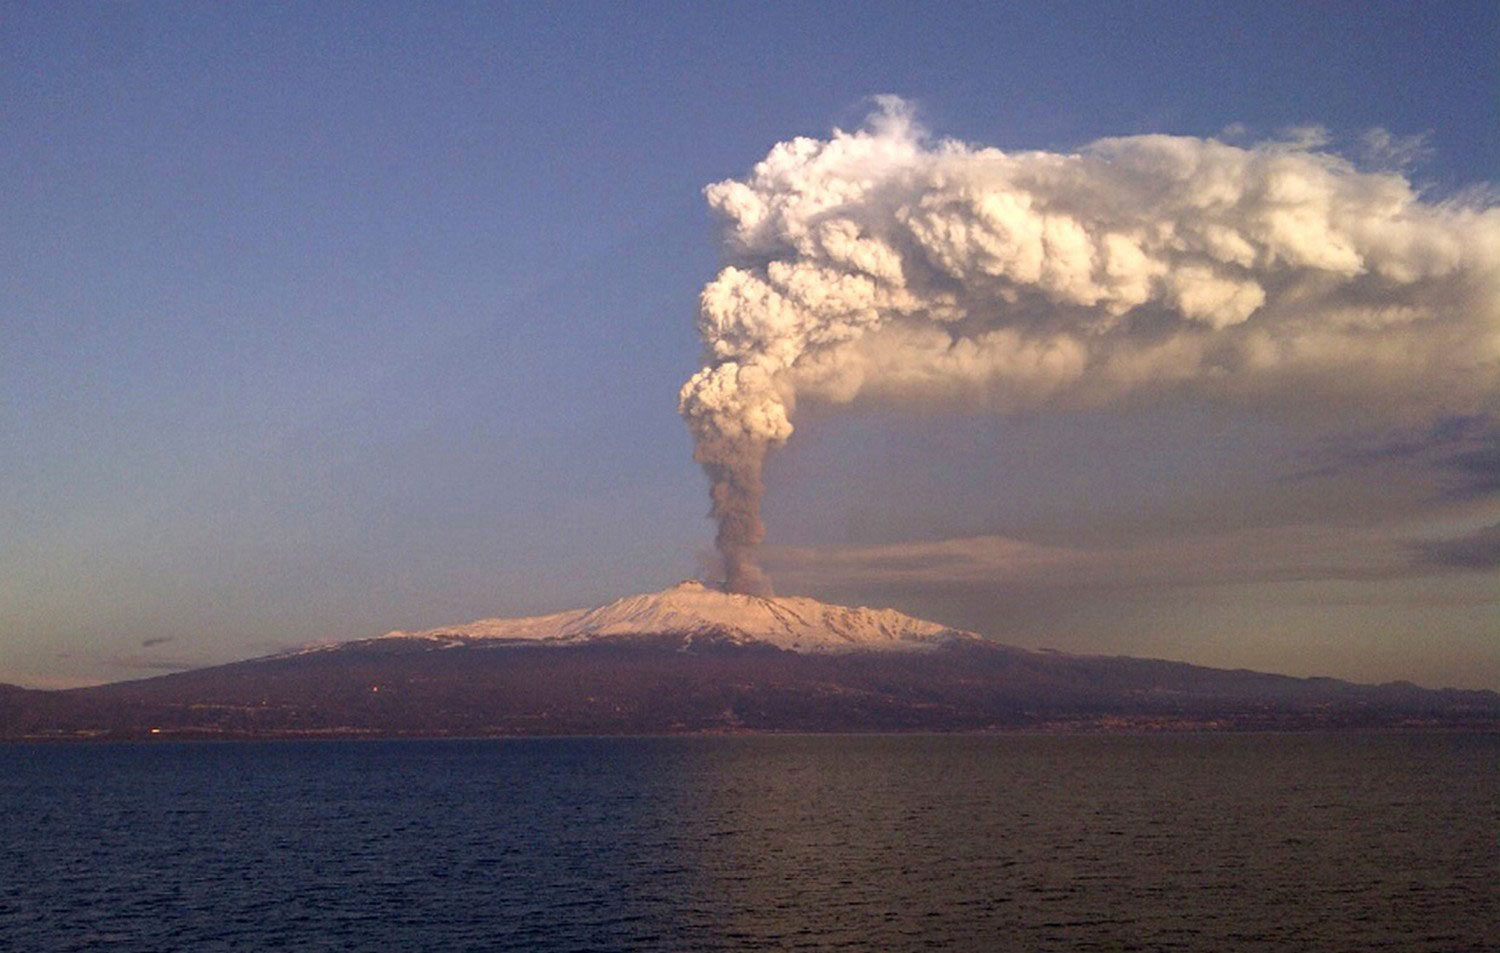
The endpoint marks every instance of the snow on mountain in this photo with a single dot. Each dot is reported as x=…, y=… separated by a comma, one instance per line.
x=692, y=609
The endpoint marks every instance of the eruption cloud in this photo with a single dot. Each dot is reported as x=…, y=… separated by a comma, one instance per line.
x=885, y=265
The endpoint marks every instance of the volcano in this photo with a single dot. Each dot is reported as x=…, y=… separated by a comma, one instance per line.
x=697, y=613
x=696, y=659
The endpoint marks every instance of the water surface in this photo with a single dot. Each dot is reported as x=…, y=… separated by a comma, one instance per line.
x=1015, y=842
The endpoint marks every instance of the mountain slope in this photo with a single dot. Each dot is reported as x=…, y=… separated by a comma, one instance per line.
x=693, y=610
x=691, y=659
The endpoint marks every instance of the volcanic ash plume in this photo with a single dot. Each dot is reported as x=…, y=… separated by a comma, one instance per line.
x=884, y=265
x=735, y=415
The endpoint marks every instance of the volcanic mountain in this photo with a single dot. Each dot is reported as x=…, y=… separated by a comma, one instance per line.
x=696, y=659
x=695, y=612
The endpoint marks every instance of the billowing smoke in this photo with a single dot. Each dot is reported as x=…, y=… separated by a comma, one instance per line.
x=885, y=265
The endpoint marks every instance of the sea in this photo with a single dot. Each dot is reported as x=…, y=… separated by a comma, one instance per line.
x=1026, y=842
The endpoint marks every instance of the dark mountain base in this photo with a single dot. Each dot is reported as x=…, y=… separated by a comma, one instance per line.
x=400, y=687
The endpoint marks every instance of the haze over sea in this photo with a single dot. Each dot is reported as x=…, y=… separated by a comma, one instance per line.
x=1016, y=842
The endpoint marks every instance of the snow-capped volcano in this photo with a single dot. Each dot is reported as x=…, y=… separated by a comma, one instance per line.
x=693, y=610
x=695, y=659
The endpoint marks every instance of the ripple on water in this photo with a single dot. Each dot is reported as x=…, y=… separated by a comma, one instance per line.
x=1213, y=843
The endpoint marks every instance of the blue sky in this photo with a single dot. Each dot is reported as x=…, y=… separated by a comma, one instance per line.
x=321, y=320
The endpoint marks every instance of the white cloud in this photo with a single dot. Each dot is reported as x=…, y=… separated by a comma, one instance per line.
x=885, y=266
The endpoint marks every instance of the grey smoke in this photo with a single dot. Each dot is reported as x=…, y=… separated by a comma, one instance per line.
x=886, y=265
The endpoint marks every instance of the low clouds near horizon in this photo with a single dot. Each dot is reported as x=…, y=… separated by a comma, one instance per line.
x=1296, y=553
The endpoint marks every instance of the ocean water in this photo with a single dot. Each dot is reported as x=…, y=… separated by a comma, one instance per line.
x=995, y=843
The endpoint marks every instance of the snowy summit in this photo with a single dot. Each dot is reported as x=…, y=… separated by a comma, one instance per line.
x=693, y=610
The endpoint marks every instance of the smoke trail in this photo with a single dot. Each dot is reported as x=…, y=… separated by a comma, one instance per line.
x=736, y=489
x=884, y=265
x=735, y=416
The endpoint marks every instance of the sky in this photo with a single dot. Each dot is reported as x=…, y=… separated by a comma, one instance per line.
x=322, y=320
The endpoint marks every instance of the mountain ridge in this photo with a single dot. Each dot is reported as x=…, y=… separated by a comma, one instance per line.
x=691, y=659
x=792, y=623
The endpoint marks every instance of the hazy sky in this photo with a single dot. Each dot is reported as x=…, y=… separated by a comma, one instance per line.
x=322, y=320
